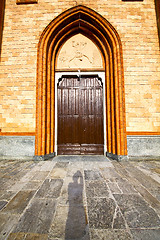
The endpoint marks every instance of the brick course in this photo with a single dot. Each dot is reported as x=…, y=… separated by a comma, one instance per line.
x=137, y=27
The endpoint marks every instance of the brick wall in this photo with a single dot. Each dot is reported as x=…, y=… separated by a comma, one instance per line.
x=137, y=27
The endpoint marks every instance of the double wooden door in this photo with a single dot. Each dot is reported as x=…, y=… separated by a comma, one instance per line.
x=80, y=115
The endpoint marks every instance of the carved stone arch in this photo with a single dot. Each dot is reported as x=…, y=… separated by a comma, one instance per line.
x=80, y=19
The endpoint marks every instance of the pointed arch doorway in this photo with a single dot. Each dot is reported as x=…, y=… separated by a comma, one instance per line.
x=82, y=20
x=80, y=95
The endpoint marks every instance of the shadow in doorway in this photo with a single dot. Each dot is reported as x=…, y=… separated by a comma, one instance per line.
x=2, y=12
x=76, y=224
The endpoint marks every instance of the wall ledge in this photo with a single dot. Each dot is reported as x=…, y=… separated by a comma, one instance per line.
x=18, y=2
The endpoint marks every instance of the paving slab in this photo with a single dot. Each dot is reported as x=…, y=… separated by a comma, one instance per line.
x=110, y=234
x=38, y=217
x=7, y=223
x=150, y=171
x=17, y=186
x=40, y=175
x=50, y=188
x=136, y=211
x=27, y=236
x=146, y=234
x=125, y=187
x=145, y=192
x=2, y=204
x=58, y=225
x=19, y=202
x=80, y=198
x=58, y=173
x=32, y=185
x=7, y=195
x=72, y=191
x=73, y=167
x=70, y=222
x=6, y=184
x=102, y=214
x=96, y=188
x=110, y=174
x=146, y=181
x=92, y=175
x=19, y=175
x=114, y=188
x=47, y=166
x=76, y=223
x=61, y=165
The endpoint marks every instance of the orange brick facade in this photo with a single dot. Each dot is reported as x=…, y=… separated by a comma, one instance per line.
x=136, y=25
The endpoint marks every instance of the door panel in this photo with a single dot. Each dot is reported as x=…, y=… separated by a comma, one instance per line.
x=80, y=115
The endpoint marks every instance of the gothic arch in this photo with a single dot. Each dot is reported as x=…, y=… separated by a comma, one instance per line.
x=80, y=19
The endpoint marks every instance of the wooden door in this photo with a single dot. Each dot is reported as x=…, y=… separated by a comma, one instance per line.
x=80, y=115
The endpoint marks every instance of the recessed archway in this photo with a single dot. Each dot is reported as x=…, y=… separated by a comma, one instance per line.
x=82, y=20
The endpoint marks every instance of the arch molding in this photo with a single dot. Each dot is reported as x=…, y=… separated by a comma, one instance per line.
x=80, y=19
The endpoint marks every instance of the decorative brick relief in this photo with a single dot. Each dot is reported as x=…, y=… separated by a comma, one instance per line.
x=79, y=52
x=26, y=1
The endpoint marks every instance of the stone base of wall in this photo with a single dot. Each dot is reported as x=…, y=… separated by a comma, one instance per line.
x=23, y=148
x=116, y=157
x=44, y=157
x=143, y=147
x=17, y=147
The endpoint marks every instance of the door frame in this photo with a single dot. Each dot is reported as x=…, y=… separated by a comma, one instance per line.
x=58, y=75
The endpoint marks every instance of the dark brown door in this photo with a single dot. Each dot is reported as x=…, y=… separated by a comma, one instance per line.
x=80, y=115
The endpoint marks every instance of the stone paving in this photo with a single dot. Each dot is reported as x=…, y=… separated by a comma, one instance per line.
x=80, y=198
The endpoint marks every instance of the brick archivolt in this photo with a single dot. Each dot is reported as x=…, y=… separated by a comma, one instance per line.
x=82, y=20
